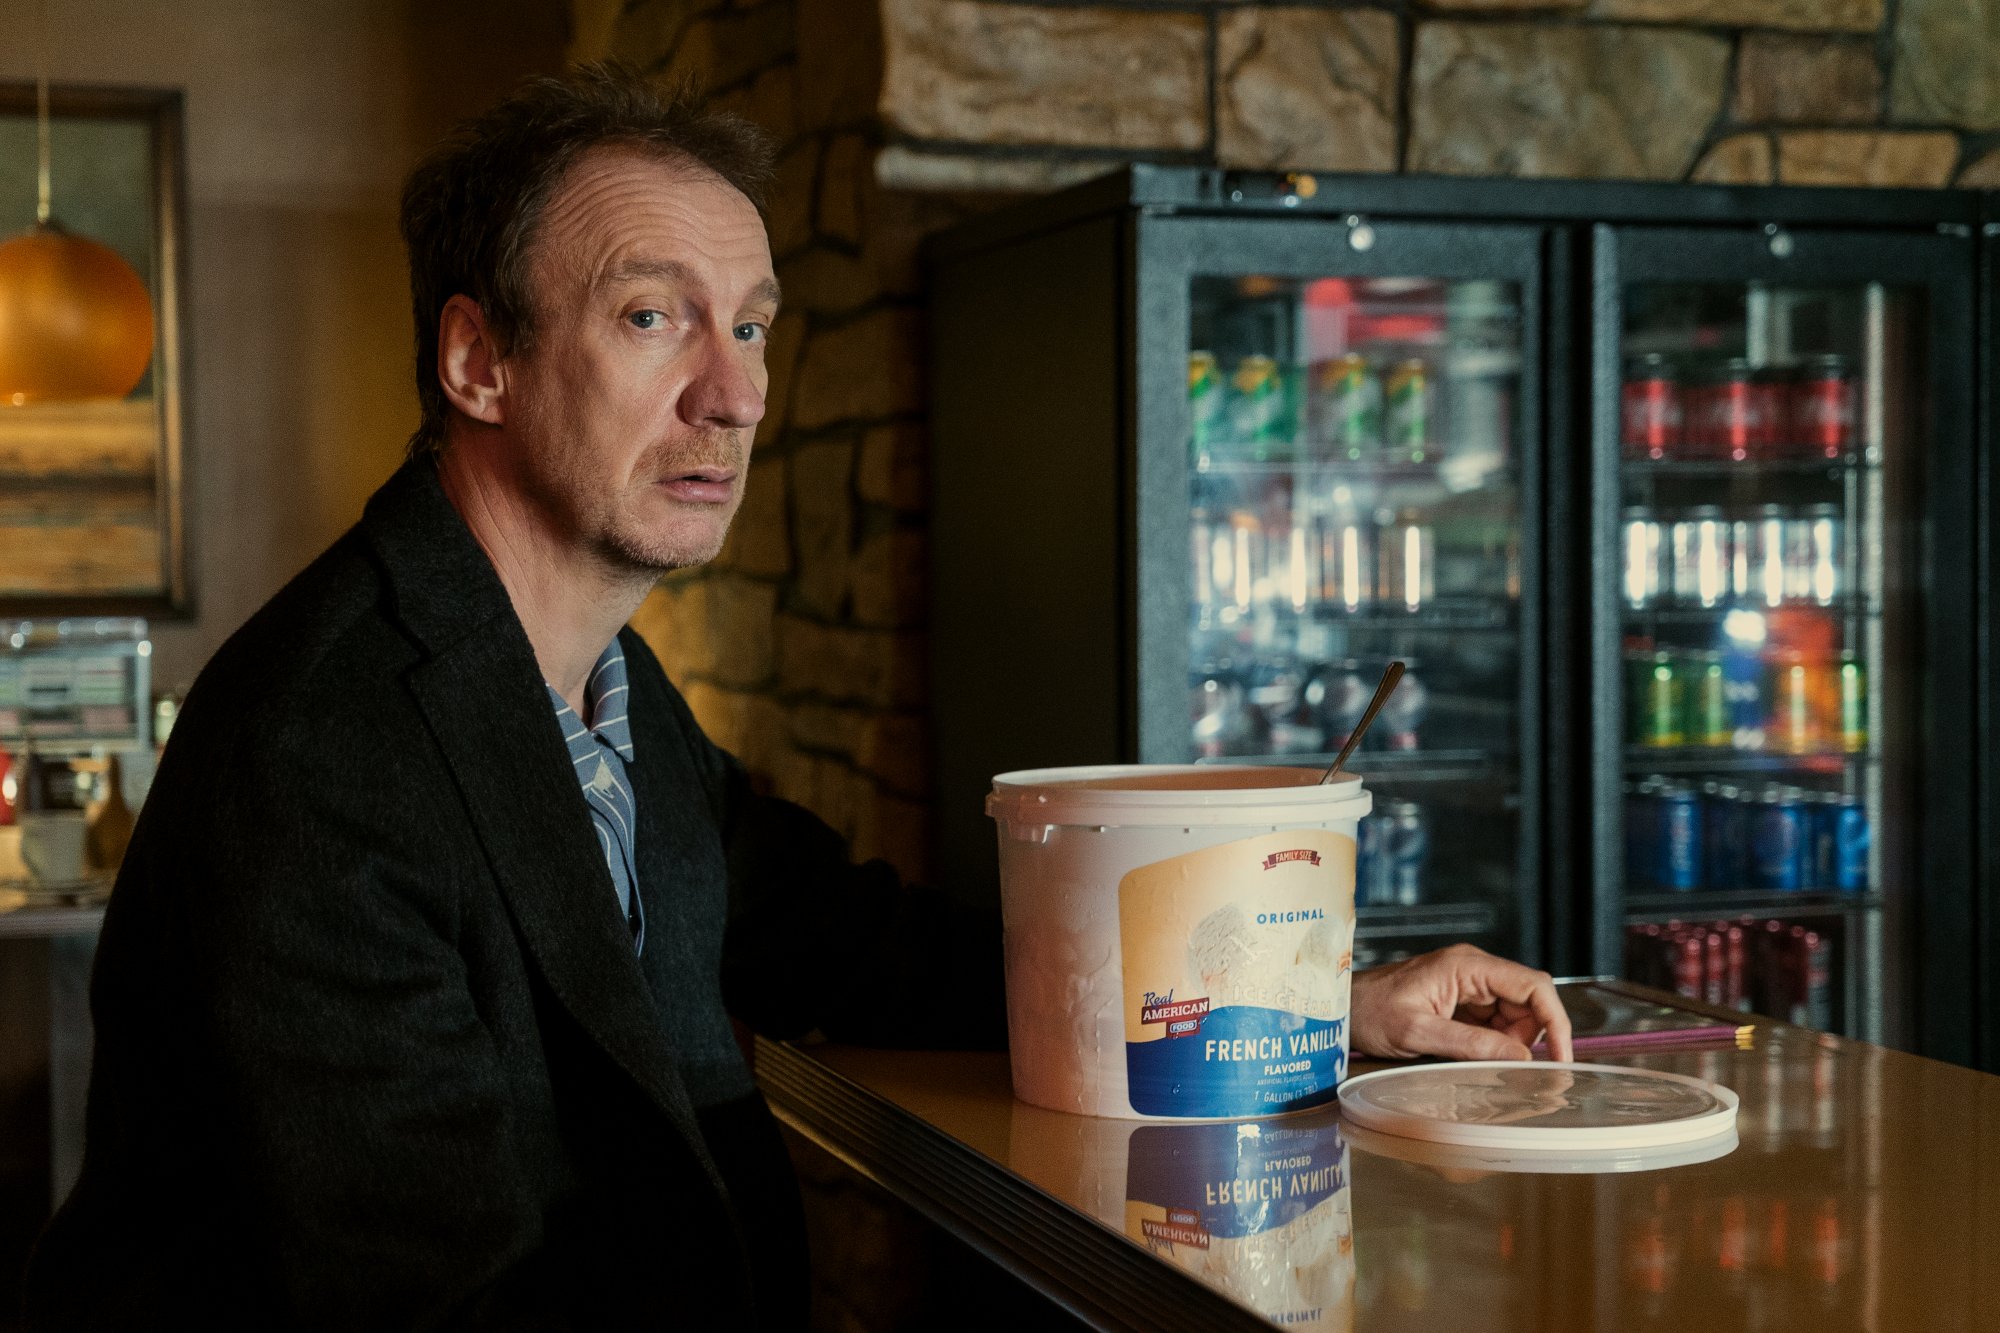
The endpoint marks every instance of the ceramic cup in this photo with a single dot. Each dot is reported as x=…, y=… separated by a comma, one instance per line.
x=52, y=844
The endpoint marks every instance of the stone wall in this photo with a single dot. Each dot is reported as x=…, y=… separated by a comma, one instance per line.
x=980, y=93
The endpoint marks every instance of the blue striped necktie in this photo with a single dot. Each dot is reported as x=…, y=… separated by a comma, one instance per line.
x=599, y=752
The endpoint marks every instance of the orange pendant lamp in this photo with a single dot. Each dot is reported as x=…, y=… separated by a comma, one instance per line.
x=75, y=320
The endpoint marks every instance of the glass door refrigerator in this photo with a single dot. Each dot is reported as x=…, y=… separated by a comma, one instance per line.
x=1667, y=495
x=1783, y=607
x=1354, y=490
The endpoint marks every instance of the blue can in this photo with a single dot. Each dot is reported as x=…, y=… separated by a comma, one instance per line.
x=1641, y=831
x=1409, y=848
x=1725, y=830
x=1678, y=849
x=1846, y=839
x=1820, y=833
x=1780, y=843
x=1374, y=875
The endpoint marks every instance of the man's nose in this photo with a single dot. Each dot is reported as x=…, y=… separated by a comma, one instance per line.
x=725, y=392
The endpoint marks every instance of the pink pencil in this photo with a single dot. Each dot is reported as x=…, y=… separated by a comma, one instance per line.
x=1610, y=1041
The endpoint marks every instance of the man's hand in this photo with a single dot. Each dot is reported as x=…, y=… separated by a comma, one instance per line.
x=1460, y=1002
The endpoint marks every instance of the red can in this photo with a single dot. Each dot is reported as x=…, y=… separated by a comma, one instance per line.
x=1655, y=423
x=1737, y=995
x=1733, y=418
x=1715, y=967
x=1823, y=408
x=1687, y=955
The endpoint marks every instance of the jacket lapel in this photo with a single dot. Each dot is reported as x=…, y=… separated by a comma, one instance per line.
x=482, y=694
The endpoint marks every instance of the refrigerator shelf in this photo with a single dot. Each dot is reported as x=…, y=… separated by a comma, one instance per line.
x=1469, y=614
x=1853, y=608
x=1448, y=473
x=1728, y=470
x=1399, y=765
x=1693, y=759
x=1705, y=904
x=1425, y=920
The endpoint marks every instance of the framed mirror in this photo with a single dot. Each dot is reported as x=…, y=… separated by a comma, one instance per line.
x=91, y=488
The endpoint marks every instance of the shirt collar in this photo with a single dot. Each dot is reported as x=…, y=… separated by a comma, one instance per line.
x=605, y=694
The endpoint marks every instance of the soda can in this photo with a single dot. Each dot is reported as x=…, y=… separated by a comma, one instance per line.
x=1347, y=695
x=1762, y=578
x=1706, y=694
x=1823, y=408
x=1656, y=699
x=1201, y=553
x=1848, y=841
x=1207, y=407
x=1404, y=710
x=1794, y=727
x=1347, y=407
x=1407, y=414
x=1701, y=563
x=1736, y=955
x=1647, y=575
x=1744, y=681
x=1813, y=554
x=1724, y=821
x=1652, y=411
x=1407, y=561
x=1677, y=857
x=1714, y=966
x=1260, y=418
x=1346, y=563
x=1777, y=845
x=1813, y=959
x=1642, y=831
x=1409, y=848
x=1853, y=703
x=1374, y=872
x=1731, y=420
x=1688, y=963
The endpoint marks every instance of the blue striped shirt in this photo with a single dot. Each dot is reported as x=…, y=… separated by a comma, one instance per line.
x=599, y=751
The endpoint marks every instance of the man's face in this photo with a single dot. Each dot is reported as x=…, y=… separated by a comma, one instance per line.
x=631, y=416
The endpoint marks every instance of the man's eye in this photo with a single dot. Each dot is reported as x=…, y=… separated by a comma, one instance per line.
x=646, y=319
x=751, y=333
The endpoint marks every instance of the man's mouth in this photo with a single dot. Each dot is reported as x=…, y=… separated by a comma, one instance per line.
x=702, y=485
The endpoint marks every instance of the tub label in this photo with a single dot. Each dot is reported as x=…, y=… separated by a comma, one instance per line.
x=1238, y=963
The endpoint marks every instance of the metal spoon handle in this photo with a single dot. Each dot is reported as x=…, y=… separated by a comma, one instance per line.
x=1382, y=693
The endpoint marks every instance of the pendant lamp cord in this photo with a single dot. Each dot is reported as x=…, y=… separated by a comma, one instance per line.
x=42, y=112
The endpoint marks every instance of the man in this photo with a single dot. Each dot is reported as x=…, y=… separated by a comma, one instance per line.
x=413, y=1003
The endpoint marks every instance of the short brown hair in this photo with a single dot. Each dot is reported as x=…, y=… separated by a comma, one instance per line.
x=471, y=207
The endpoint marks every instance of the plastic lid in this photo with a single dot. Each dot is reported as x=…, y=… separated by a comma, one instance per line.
x=1529, y=1161
x=1157, y=795
x=1544, y=1107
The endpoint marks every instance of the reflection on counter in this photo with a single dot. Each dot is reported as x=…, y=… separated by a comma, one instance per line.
x=1260, y=1209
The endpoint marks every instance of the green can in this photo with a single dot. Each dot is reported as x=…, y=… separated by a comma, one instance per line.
x=1654, y=689
x=1207, y=406
x=1260, y=409
x=1408, y=416
x=1706, y=690
x=1348, y=404
x=1853, y=703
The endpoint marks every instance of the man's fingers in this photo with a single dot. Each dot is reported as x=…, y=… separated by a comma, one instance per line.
x=1535, y=990
x=1430, y=1034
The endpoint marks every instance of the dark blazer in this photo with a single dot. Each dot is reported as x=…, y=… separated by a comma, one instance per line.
x=373, y=1049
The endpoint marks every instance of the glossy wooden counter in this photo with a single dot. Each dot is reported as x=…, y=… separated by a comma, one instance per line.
x=1864, y=1194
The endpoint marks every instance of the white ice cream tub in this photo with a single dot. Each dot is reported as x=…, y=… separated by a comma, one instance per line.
x=1179, y=937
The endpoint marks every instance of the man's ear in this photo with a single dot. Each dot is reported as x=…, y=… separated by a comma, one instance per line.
x=469, y=362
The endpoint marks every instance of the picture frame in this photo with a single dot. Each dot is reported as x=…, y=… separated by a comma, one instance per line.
x=92, y=493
